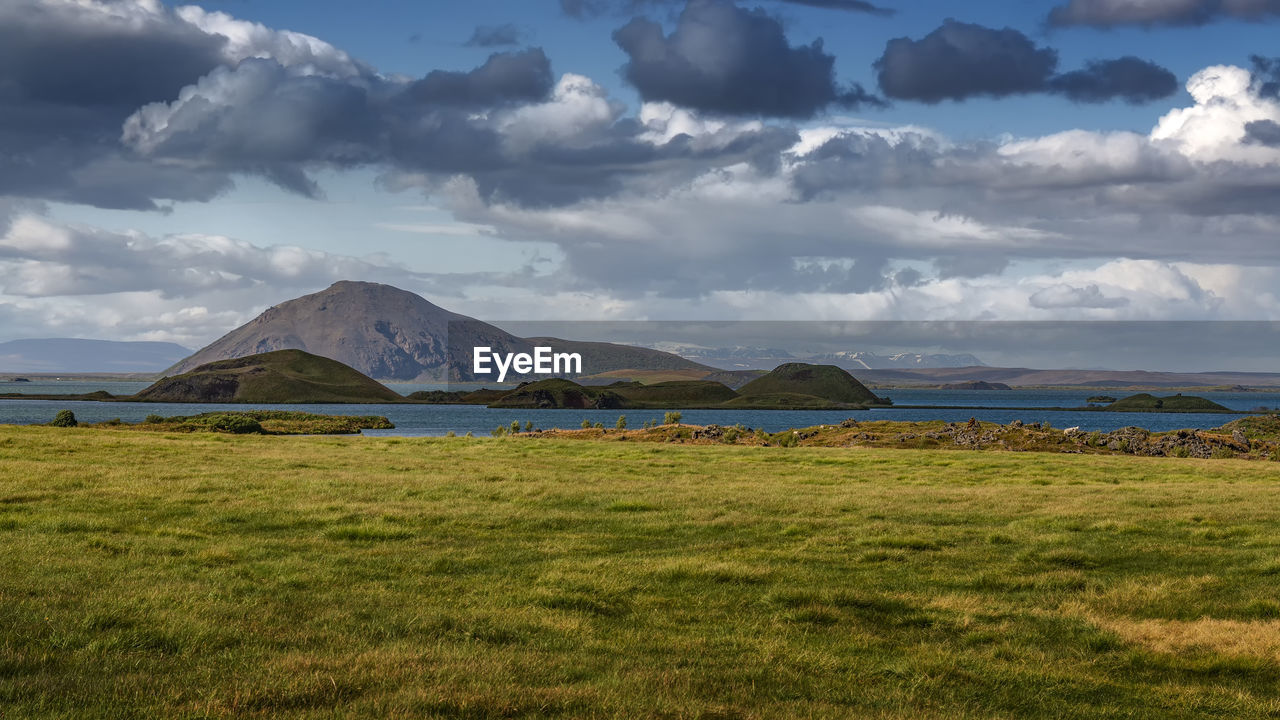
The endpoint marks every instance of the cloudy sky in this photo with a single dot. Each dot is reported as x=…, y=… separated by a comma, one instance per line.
x=168, y=171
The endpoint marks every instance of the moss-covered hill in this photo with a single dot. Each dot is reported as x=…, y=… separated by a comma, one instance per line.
x=798, y=387
x=559, y=393
x=283, y=376
x=827, y=382
x=1145, y=402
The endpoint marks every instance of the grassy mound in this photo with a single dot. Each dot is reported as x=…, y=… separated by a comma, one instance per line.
x=559, y=393
x=283, y=376
x=823, y=381
x=264, y=422
x=1145, y=402
x=686, y=393
x=1261, y=427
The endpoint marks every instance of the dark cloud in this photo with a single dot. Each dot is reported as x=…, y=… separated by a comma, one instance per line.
x=1129, y=78
x=496, y=36
x=583, y=9
x=68, y=79
x=961, y=60
x=504, y=78
x=1262, y=132
x=724, y=59
x=264, y=119
x=1266, y=76
x=1112, y=13
x=846, y=5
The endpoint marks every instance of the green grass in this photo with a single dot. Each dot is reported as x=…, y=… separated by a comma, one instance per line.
x=267, y=422
x=209, y=576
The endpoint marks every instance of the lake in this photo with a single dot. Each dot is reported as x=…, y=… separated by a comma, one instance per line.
x=417, y=420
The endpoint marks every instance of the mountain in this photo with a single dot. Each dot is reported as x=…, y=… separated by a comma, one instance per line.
x=392, y=334
x=1024, y=377
x=77, y=355
x=281, y=376
x=872, y=361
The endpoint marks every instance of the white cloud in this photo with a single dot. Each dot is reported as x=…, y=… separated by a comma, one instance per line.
x=1213, y=129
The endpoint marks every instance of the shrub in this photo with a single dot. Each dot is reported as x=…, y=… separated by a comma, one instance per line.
x=528, y=426
x=451, y=434
x=1180, y=452
x=586, y=424
x=622, y=422
x=1223, y=453
x=470, y=434
x=672, y=418
x=730, y=435
x=789, y=438
x=152, y=419
x=500, y=431
x=599, y=426
x=64, y=418
x=235, y=424
x=515, y=427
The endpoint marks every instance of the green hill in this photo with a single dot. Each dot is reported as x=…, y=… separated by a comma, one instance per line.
x=1144, y=402
x=677, y=393
x=827, y=382
x=283, y=376
x=560, y=393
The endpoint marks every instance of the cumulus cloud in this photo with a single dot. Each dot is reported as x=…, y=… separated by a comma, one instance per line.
x=1113, y=13
x=496, y=36
x=72, y=72
x=42, y=258
x=725, y=59
x=1069, y=296
x=1227, y=101
x=962, y=60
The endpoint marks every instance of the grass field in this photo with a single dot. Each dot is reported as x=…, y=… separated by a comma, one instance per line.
x=190, y=576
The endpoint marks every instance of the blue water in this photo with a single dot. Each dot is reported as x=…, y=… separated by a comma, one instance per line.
x=411, y=420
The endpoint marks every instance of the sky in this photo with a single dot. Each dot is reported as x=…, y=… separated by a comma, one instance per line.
x=169, y=171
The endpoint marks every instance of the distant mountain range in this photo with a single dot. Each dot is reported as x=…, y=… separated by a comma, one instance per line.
x=872, y=361
x=391, y=334
x=766, y=358
x=78, y=355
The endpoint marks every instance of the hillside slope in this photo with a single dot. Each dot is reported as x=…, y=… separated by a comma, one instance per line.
x=282, y=376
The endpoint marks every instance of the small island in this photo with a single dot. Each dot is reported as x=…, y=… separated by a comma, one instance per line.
x=1145, y=402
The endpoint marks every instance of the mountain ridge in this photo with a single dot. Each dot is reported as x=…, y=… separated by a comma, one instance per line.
x=83, y=355
x=391, y=334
